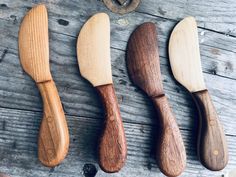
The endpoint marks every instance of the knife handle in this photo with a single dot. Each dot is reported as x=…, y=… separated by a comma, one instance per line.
x=53, y=141
x=171, y=155
x=112, y=147
x=212, y=146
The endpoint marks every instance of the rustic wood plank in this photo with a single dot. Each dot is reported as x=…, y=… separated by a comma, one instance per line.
x=18, y=91
x=217, y=50
x=18, y=141
x=210, y=14
x=214, y=15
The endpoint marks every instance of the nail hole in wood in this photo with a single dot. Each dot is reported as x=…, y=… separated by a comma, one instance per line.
x=63, y=22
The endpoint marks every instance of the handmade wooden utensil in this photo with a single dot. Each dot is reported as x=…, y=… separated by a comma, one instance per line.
x=186, y=66
x=122, y=6
x=144, y=69
x=53, y=142
x=93, y=52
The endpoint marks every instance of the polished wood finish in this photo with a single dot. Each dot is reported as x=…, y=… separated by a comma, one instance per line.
x=18, y=92
x=171, y=155
x=112, y=148
x=143, y=60
x=184, y=55
x=93, y=50
x=34, y=45
x=212, y=146
x=144, y=69
x=53, y=141
x=186, y=66
x=93, y=54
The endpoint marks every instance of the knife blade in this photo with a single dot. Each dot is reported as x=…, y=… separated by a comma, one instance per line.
x=144, y=69
x=93, y=53
x=53, y=141
x=186, y=66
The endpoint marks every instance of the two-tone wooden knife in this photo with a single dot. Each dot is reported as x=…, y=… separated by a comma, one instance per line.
x=144, y=69
x=186, y=66
x=93, y=52
x=53, y=142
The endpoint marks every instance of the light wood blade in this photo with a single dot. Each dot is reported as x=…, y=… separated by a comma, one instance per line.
x=33, y=44
x=185, y=55
x=93, y=50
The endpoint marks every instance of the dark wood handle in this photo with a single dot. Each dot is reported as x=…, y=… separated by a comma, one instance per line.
x=212, y=146
x=112, y=148
x=53, y=142
x=171, y=155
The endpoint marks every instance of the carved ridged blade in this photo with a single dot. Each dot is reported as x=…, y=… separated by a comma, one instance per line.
x=93, y=50
x=33, y=44
x=143, y=60
x=185, y=55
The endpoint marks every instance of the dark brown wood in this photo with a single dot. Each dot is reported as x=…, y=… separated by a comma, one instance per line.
x=53, y=142
x=143, y=60
x=212, y=146
x=112, y=148
x=144, y=69
x=171, y=155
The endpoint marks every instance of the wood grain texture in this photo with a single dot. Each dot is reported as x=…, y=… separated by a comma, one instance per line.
x=33, y=44
x=186, y=66
x=208, y=13
x=171, y=155
x=21, y=106
x=53, y=141
x=144, y=68
x=212, y=146
x=112, y=147
x=143, y=60
x=184, y=55
x=93, y=50
x=21, y=129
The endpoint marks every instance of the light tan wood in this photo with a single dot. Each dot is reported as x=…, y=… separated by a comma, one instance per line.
x=93, y=50
x=53, y=142
x=185, y=56
x=33, y=44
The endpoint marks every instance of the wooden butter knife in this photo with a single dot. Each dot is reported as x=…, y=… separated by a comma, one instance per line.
x=53, y=142
x=144, y=69
x=186, y=66
x=93, y=52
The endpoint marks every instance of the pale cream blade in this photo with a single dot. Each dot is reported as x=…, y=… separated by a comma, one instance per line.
x=33, y=44
x=93, y=50
x=184, y=55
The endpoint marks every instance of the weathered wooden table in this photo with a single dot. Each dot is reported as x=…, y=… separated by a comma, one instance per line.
x=21, y=105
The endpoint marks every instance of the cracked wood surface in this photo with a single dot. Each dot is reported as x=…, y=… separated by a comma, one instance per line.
x=21, y=105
